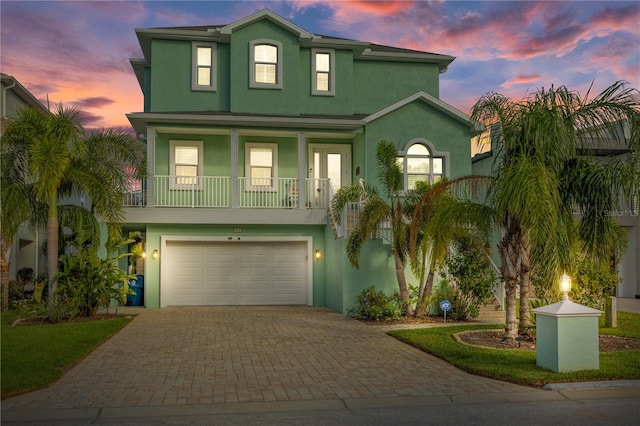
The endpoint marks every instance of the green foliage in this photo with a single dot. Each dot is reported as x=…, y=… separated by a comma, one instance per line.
x=87, y=282
x=443, y=291
x=595, y=282
x=472, y=275
x=374, y=304
x=55, y=310
x=414, y=296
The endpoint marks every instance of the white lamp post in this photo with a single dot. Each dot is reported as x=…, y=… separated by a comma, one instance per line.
x=565, y=285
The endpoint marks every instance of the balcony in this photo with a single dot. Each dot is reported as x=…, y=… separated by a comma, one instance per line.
x=220, y=192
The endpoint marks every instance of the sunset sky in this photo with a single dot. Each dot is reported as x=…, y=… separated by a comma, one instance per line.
x=77, y=52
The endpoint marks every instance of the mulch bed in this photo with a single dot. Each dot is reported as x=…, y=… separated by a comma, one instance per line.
x=495, y=339
x=44, y=321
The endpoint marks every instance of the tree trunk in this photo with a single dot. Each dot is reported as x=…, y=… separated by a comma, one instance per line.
x=421, y=308
x=510, y=255
x=5, y=263
x=52, y=247
x=525, y=284
x=402, y=284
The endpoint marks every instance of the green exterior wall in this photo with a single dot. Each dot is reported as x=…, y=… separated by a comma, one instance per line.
x=399, y=79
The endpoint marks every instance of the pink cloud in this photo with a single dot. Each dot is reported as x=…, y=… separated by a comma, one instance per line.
x=521, y=79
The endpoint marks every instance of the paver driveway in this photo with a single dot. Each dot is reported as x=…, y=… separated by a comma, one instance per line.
x=205, y=355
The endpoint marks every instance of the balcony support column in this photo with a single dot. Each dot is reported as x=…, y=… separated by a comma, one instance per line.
x=234, y=169
x=302, y=168
x=151, y=161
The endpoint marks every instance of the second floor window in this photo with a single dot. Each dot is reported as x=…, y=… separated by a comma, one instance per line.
x=186, y=164
x=266, y=64
x=323, y=75
x=419, y=165
x=261, y=165
x=203, y=66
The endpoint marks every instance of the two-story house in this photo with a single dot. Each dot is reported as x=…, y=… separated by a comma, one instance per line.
x=250, y=128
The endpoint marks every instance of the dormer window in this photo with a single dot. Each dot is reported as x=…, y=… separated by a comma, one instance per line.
x=266, y=64
x=323, y=72
x=203, y=64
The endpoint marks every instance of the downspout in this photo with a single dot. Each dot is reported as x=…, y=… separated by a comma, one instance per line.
x=4, y=100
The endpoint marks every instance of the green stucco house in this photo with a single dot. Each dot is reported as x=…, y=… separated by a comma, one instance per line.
x=250, y=129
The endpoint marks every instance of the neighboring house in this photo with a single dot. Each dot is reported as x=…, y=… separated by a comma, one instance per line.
x=26, y=250
x=626, y=214
x=250, y=128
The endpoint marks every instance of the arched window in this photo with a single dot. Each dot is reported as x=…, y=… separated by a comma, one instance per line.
x=266, y=64
x=419, y=164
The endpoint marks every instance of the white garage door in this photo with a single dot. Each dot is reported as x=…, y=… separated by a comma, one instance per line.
x=235, y=273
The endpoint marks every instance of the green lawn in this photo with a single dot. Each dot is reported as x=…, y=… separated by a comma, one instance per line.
x=518, y=366
x=36, y=356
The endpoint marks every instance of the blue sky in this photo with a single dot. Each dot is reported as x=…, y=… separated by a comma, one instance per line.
x=77, y=52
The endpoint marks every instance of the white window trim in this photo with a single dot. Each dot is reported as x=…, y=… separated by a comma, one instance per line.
x=434, y=154
x=247, y=167
x=172, y=164
x=252, y=65
x=194, y=66
x=332, y=73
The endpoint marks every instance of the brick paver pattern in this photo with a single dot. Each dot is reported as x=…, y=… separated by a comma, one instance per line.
x=209, y=355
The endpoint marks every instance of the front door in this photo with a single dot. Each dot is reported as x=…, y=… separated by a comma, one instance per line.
x=330, y=169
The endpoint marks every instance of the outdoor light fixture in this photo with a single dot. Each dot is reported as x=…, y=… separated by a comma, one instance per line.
x=565, y=285
x=155, y=254
x=317, y=254
x=144, y=254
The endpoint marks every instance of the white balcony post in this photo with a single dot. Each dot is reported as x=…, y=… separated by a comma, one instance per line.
x=151, y=161
x=302, y=168
x=234, y=169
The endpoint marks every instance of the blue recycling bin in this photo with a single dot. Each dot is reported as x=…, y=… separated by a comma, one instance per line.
x=136, y=285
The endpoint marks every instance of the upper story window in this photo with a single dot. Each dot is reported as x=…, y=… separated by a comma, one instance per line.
x=266, y=64
x=203, y=65
x=261, y=166
x=420, y=163
x=186, y=164
x=323, y=72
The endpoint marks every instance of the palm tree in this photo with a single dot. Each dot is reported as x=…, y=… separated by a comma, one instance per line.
x=540, y=173
x=377, y=211
x=59, y=160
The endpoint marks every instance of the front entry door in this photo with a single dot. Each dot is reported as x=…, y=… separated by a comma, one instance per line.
x=330, y=169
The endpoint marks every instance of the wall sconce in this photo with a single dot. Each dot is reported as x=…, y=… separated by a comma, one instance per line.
x=144, y=254
x=155, y=254
x=317, y=254
x=565, y=285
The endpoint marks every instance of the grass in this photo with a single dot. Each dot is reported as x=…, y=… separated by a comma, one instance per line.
x=33, y=357
x=517, y=366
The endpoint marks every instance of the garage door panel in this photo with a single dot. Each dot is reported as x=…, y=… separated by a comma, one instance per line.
x=222, y=273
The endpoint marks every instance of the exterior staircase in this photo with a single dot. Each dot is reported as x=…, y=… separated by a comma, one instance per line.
x=491, y=312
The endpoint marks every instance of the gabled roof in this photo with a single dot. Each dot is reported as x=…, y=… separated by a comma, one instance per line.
x=11, y=83
x=269, y=15
x=222, y=33
x=432, y=101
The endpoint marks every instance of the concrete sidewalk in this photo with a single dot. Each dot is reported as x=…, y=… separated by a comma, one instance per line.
x=239, y=359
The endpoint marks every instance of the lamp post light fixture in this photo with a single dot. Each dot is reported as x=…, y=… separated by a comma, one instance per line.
x=565, y=285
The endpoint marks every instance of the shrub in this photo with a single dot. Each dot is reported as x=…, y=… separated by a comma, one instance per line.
x=375, y=304
x=472, y=275
x=87, y=282
x=413, y=298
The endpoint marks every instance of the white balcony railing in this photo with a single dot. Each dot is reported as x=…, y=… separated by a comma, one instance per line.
x=216, y=192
